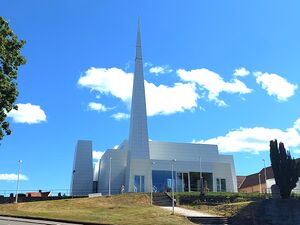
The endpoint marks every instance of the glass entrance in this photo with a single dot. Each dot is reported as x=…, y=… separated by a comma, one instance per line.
x=182, y=182
x=196, y=184
x=139, y=183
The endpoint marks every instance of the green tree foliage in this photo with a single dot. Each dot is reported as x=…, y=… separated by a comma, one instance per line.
x=285, y=169
x=10, y=60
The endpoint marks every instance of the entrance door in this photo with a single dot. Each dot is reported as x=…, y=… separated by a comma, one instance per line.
x=139, y=183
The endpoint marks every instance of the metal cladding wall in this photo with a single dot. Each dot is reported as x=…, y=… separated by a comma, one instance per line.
x=118, y=166
x=138, y=131
x=82, y=174
x=188, y=156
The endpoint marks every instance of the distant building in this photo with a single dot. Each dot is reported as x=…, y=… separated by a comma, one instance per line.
x=257, y=183
x=38, y=194
x=139, y=165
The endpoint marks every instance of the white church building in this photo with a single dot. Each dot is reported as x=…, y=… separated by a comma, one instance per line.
x=138, y=164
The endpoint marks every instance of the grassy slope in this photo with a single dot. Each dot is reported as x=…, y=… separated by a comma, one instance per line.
x=122, y=209
x=243, y=209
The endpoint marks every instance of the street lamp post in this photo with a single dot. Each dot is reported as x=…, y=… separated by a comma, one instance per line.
x=174, y=160
x=201, y=180
x=109, y=177
x=265, y=171
x=259, y=181
x=19, y=170
x=151, y=189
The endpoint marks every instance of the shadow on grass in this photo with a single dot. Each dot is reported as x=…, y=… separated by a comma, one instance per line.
x=252, y=214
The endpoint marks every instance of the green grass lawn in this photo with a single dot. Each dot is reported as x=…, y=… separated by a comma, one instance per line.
x=120, y=209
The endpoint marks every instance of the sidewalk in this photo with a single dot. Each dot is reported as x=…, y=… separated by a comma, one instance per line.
x=187, y=212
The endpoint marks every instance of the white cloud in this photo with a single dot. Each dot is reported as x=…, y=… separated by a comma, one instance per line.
x=241, y=72
x=97, y=155
x=160, y=69
x=297, y=151
x=166, y=100
x=160, y=99
x=297, y=124
x=213, y=83
x=27, y=113
x=12, y=177
x=97, y=107
x=148, y=64
x=255, y=139
x=276, y=85
x=121, y=116
x=112, y=81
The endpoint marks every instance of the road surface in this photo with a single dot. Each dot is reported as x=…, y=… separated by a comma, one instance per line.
x=19, y=221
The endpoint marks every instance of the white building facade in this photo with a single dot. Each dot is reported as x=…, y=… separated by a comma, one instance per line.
x=271, y=181
x=139, y=165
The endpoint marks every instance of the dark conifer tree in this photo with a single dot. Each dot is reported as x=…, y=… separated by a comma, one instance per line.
x=285, y=169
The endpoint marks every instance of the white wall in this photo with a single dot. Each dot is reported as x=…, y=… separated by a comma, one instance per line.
x=82, y=174
x=138, y=167
x=271, y=181
x=118, y=167
x=182, y=151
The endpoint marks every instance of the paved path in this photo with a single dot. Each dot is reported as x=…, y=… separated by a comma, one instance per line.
x=19, y=221
x=188, y=212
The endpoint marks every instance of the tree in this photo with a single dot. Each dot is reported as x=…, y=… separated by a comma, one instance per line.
x=285, y=169
x=10, y=60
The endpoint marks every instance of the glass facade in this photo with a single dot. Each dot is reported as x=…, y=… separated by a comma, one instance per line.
x=183, y=181
x=196, y=184
x=162, y=180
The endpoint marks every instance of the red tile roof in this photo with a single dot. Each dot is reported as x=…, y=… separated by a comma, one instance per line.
x=38, y=194
x=252, y=179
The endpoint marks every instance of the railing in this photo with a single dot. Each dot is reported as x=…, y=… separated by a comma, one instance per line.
x=54, y=192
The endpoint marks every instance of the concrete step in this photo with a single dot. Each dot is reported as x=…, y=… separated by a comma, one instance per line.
x=161, y=199
x=209, y=220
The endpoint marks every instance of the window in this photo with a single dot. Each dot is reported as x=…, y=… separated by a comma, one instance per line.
x=139, y=183
x=221, y=185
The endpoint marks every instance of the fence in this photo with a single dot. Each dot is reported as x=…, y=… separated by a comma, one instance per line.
x=54, y=192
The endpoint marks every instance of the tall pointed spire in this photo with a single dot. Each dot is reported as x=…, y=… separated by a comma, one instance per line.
x=138, y=133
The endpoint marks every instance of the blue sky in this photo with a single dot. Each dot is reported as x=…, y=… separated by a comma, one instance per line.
x=216, y=72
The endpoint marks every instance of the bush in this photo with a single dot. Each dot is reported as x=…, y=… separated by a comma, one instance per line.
x=193, y=198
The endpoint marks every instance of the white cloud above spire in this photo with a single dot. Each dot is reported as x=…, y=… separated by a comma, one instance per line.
x=156, y=70
x=241, y=72
x=213, y=83
x=276, y=85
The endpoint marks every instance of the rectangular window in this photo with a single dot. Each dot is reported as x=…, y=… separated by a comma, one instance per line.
x=139, y=183
x=142, y=188
x=218, y=185
x=221, y=185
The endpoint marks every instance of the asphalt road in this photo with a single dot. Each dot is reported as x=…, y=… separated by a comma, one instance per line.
x=19, y=221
